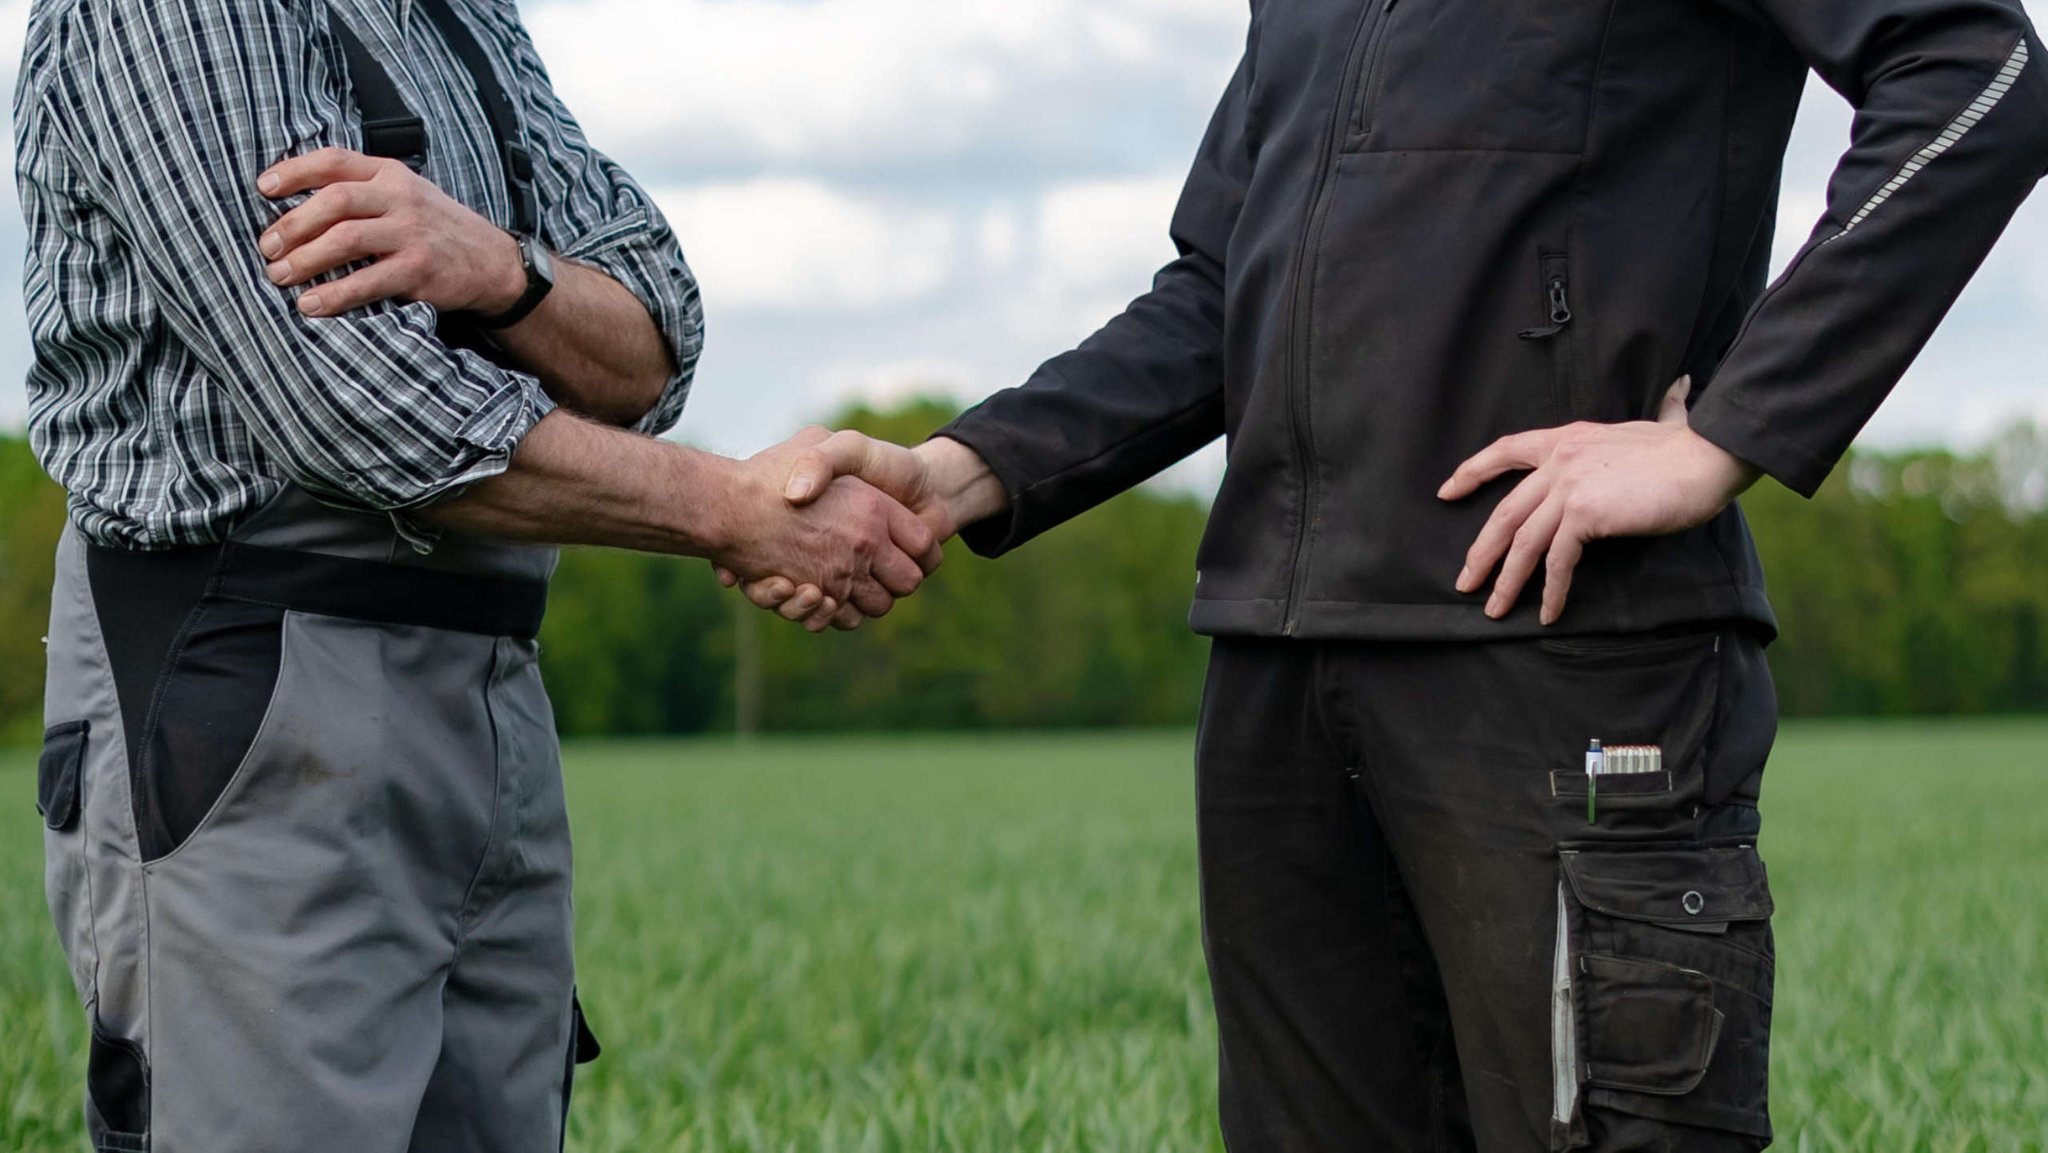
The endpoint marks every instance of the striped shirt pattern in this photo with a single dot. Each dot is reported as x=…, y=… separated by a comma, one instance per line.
x=175, y=389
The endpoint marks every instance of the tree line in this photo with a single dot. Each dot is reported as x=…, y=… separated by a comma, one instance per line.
x=1913, y=584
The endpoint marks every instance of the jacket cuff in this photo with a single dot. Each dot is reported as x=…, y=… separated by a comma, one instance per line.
x=1721, y=420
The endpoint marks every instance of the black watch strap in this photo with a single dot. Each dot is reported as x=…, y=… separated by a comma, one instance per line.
x=538, y=285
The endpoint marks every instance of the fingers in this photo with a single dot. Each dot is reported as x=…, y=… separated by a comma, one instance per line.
x=806, y=604
x=822, y=619
x=346, y=243
x=1673, y=410
x=1531, y=543
x=896, y=571
x=807, y=601
x=770, y=594
x=380, y=281
x=726, y=577
x=1525, y=450
x=847, y=619
x=317, y=170
x=1493, y=540
x=1562, y=562
x=330, y=206
x=872, y=597
x=910, y=533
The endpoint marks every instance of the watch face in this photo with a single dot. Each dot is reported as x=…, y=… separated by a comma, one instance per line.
x=542, y=261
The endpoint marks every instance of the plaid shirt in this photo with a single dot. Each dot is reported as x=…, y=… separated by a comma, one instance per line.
x=175, y=389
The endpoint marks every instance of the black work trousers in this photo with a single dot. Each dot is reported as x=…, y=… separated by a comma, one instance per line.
x=1418, y=940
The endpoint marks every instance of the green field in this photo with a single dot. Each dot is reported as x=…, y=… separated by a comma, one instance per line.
x=991, y=944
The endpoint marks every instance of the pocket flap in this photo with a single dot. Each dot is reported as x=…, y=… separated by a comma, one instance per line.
x=1672, y=886
x=57, y=774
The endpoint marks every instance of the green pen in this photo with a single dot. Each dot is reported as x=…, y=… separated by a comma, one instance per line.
x=1596, y=762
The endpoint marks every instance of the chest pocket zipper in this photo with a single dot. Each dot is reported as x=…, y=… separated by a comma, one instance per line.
x=1369, y=85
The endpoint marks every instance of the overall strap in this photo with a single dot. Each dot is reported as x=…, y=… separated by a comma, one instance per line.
x=499, y=108
x=392, y=130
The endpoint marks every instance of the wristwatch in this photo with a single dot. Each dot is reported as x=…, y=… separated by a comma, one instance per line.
x=540, y=280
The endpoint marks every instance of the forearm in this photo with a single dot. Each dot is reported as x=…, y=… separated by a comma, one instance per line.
x=593, y=345
x=575, y=482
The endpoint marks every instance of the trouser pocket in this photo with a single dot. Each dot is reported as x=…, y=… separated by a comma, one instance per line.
x=210, y=704
x=57, y=775
x=1665, y=969
x=583, y=1049
x=117, y=1093
x=60, y=799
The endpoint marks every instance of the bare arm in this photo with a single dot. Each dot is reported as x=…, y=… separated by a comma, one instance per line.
x=592, y=343
x=576, y=482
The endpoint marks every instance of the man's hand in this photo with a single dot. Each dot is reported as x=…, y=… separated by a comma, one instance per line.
x=422, y=244
x=847, y=552
x=945, y=483
x=1590, y=482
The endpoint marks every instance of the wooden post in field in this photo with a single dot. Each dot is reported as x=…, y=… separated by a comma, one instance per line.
x=746, y=668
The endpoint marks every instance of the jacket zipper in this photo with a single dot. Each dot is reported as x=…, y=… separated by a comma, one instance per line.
x=1363, y=38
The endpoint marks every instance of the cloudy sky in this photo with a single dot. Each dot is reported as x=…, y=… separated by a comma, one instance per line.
x=890, y=196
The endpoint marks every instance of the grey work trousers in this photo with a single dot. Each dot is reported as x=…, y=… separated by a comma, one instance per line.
x=307, y=849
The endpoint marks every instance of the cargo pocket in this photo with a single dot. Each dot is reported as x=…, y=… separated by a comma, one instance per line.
x=117, y=1084
x=1665, y=976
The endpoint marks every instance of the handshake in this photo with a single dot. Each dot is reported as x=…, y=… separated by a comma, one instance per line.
x=832, y=529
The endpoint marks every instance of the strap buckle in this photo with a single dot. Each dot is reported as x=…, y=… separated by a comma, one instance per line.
x=400, y=138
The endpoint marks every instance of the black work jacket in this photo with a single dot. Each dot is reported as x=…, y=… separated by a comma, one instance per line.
x=1418, y=225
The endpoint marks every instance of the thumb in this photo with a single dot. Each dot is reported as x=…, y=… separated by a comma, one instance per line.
x=841, y=454
x=1673, y=410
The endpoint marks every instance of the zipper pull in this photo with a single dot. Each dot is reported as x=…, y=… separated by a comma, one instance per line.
x=1560, y=313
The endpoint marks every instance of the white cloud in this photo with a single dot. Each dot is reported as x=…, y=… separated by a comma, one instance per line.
x=864, y=82
x=1101, y=233
x=776, y=243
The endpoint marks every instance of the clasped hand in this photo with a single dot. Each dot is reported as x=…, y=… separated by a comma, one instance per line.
x=845, y=550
